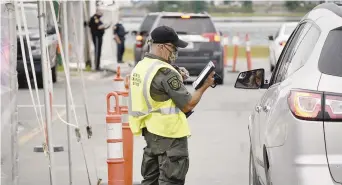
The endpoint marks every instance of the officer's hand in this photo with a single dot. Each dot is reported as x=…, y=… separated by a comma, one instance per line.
x=210, y=80
x=184, y=73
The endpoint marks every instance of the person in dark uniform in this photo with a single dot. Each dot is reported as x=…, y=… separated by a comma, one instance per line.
x=155, y=83
x=119, y=35
x=97, y=29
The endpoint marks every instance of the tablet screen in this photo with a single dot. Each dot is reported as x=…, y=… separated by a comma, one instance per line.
x=203, y=73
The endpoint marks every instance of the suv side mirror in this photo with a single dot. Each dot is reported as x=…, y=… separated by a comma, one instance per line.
x=270, y=37
x=253, y=79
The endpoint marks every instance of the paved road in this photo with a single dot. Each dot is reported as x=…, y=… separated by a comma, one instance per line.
x=218, y=146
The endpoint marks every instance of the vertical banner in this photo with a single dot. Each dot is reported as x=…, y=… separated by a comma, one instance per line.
x=109, y=48
x=8, y=90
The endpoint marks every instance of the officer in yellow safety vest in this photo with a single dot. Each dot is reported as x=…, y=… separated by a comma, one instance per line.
x=158, y=103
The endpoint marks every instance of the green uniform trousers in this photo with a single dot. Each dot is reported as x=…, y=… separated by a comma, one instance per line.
x=165, y=160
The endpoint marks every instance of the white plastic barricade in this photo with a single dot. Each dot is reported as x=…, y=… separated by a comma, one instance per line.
x=8, y=88
x=108, y=54
x=76, y=33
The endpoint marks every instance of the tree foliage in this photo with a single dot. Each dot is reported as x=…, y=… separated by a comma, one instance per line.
x=301, y=5
x=226, y=2
x=248, y=5
x=183, y=6
x=199, y=6
x=292, y=5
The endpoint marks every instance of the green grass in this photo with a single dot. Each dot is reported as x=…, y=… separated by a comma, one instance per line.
x=60, y=68
x=256, y=52
x=220, y=14
x=128, y=55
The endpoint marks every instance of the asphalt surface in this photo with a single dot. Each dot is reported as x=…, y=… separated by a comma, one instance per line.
x=219, y=145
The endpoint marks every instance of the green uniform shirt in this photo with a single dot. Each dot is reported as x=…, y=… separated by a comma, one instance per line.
x=166, y=84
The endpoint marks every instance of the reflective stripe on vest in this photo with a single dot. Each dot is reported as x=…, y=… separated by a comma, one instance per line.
x=171, y=110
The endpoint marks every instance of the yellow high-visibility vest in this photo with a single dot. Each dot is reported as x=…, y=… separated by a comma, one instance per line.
x=160, y=118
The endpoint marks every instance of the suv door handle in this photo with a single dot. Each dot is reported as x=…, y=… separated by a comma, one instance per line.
x=266, y=108
x=258, y=108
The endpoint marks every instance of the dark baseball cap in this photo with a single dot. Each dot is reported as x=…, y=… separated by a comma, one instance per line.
x=165, y=34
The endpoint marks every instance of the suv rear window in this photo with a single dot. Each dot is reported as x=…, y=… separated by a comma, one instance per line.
x=148, y=23
x=193, y=25
x=330, y=61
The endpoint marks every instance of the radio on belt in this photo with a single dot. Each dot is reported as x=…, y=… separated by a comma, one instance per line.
x=204, y=75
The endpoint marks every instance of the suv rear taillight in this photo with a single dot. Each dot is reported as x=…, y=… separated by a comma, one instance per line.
x=333, y=107
x=309, y=105
x=306, y=104
x=138, y=41
x=213, y=37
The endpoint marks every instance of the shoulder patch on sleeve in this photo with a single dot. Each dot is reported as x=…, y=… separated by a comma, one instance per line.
x=165, y=71
x=174, y=83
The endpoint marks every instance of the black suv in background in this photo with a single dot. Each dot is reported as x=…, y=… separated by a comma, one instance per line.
x=205, y=42
x=142, y=33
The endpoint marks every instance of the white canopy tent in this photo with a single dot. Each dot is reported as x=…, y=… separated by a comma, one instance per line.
x=108, y=55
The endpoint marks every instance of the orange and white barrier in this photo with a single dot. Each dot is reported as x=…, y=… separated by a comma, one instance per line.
x=127, y=136
x=115, y=160
x=248, y=53
x=236, y=50
x=119, y=83
x=122, y=89
x=225, y=52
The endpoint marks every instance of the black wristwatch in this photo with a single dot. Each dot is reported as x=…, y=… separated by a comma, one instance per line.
x=188, y=114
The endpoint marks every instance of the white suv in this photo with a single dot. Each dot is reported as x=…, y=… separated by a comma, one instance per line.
x=296, y=128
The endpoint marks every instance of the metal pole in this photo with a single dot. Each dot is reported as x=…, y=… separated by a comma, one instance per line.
x=66, y=68
x=41, y=17
x=13, y=86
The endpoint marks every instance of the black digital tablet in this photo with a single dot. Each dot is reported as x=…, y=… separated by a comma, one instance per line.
x=203, y=75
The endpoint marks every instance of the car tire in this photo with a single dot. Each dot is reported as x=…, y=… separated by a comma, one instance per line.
x=22, y=83
x=253, y=177
x=40, y=81
x=54, y=74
